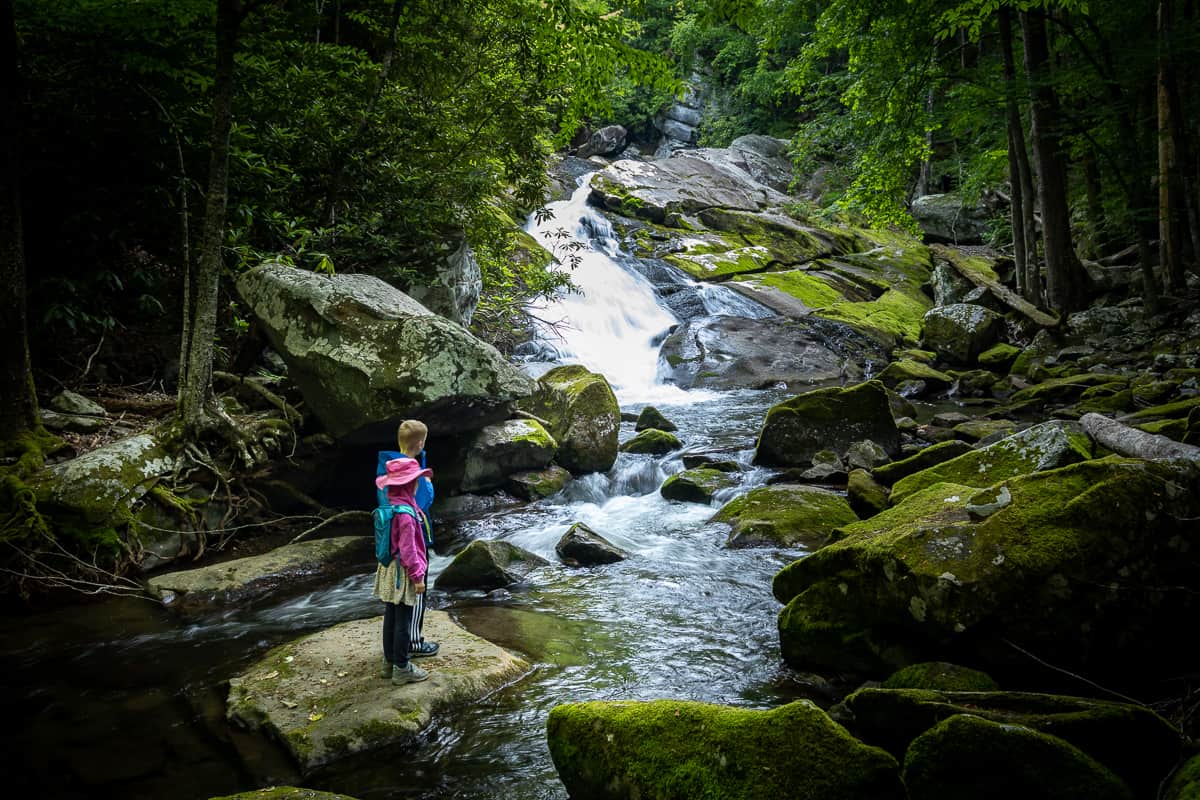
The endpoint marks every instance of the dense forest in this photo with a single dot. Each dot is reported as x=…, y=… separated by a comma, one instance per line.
x=153, y=150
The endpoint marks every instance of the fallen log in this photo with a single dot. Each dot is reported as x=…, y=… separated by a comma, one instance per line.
x=1132, y=442
x=956, y=259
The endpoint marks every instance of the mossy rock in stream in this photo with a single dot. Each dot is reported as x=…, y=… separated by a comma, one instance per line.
x=651, y=417
x=941, y=676
x=1062, y=390
x=536, y=484
x=999, y=356
x=907, y=370
x=1135, y=743
x=683, y=750
x=583, y=417
x=1045, y=446
x=888, y=474
x=652, y=442
x=784, y=515
x=488, y=564
x=697, y=485
x=966, y=756
x=960, y=332
x=866, y=496
x=954, y=572
x=826, y=419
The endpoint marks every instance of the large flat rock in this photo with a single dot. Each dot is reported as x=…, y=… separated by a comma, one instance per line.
x=242, y=578
x=322, y=697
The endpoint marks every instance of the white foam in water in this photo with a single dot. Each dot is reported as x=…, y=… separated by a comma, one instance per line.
x=615, y=321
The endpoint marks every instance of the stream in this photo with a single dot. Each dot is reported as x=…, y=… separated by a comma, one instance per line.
x=124, y=698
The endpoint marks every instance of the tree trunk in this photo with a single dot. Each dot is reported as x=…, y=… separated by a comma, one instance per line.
x=1095, y=205
x=18, y=402
x=1170, y=223
x=200, y=318
x=926, y=172
x=1019, y=174
x=1064, y=278
x=1134, y=443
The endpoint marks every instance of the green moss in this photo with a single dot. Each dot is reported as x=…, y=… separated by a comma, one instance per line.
x=671, y=749
x=888, y=474
x=906, y=370
x=965, y=756
x=1173, y=428
x=866, y=496
x=1177, y=410
x=1106, y=404
x=896, y=315
x=1061, y=390
x=940, y=675
x=1185, y=783
x=696, y=485
x=653, y=442
x=797, y=429
x=805, y=287
x=999, y=356
x=784, y=515
x=717, y=266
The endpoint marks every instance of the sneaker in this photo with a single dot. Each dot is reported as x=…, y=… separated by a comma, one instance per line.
x=385, y=668
x=408, y=674
x=423, y=649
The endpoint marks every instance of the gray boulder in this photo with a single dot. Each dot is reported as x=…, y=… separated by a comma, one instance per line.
x=763, y=158
x=454, y=288
x=583, y=415
x=68, y=402
x=537, y=484
x=581, y=546
x=960, y=332
x=504, y=448
x=365, y=355
x=488, y=564
x=604, y=142
x=949, y=286
x=945, y=218
x=726, y=352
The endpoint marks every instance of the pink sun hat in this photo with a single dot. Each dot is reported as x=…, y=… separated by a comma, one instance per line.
x=401, y=471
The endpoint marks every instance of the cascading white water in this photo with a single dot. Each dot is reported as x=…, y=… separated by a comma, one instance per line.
x=614, y=323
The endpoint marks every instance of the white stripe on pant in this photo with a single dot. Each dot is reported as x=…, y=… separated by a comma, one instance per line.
x=418, y=617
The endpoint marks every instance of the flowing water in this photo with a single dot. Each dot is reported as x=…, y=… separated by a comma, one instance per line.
x=124, y=698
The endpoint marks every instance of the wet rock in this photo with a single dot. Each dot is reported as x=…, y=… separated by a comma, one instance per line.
x=582, y=547
x=796, y=429
x=487, y=565
x=537, y=484
x=652, y=442
x=784, y=515
x=583, y=414
x=504, y=448
x=651, y=417
x=717, y=461
x=322, y=698
x=959, y=333
x=697, y=485
x=667, y=749
x=969, y=756
x=291, y=567
x=941, y=676
x=866, y=496
x=366, y=356
x=727, y=352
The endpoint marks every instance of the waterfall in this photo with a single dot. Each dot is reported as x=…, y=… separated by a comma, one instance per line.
x=615, y=322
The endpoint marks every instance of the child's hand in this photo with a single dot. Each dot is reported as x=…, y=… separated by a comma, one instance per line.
x=420, y=587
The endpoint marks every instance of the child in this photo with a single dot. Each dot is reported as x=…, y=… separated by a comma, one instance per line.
x=411, y=439
x=401, y=582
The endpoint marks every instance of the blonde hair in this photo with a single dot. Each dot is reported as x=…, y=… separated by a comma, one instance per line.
x=410, y=435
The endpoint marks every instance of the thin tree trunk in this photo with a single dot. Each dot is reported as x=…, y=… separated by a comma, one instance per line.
x=1170, y=233
x=18, y=402
x=1095, y=205
x=200, y=318
x=1024, y=232
x=1064, y=281
x=926, y=172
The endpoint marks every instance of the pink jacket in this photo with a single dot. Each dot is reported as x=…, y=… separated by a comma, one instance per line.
x=408, y=542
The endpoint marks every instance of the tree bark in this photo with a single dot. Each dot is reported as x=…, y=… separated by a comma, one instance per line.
x=18, y=402
x=1135, y=443
x=1170, y=224
x=200, y=317
x=1019, y=174
x=1064, y=275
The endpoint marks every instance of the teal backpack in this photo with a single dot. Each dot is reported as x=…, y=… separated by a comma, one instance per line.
x=382, y=515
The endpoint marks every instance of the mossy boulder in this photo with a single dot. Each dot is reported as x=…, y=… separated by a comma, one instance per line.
x=652, y=442
x=291, y=567
x=322, y=698
x=867, y=497
x=682, y=750
x=784, y=515
x=697, y=485
x=888, y=474
x=999, y=356
x=1046, y=446
x=536, y=484
x=651, y=417
x=582, y=547
x=941, y=676
x=504, y=448
x=908, y=370
x=1179, y=409
x=1135, y=743
x=959, y=333
x=1185, y=783
x=976, y=430
x=1065, y=389
x=488, y=564
x=966, y=756
x=1040, y=559
x=583, y=414
x=832, y=418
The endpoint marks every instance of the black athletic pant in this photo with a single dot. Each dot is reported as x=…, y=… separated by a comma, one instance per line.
x=397, y=624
